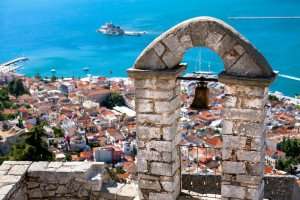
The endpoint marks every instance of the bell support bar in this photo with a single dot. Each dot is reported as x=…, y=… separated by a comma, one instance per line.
x=201, y=79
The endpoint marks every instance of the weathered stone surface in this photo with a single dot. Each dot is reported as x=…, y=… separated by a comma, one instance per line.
x=243, y=90
x=251, y=156
x=160, y=196
x=159, y=49
x=234, y=142
x=144, y=106
x=231, y=167
x=163, y=169
x=154, y=94
x=174, y=45
x=18, y=170
x=142, y=165
x=170, y=59
x=155, y=62
x=244, y=114
x=232, y=191
x=149, y=184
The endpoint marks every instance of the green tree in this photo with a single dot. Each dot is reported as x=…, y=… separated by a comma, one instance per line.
x=114, y=99
x=4, y=99
x=58, y=132
x=291, y=147
x=16, y=88
x=53, y=78
x=32, y=147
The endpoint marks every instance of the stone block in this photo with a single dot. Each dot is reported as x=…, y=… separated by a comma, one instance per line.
x=244, y=66
x=243, y=90
x=250, y=129
x=186, y=41
x=149, y=184
x=144, y=106
x=249, y=180
x=170, y=132
x=251, y=156
x=167, y=106
x=55, y=164
x=253, y=103
x=142, y=165
x=163, y=169
x=234, y=142
x=227, y=127
x=225, y=45
x=231, y=167
x=155, y=83
x=244, y=114
x=7, y=189
x=160, y=196
x=198, y=33
x=150, y=60
x=174, y=45
x=38, y=166
x=230, y=101
x=159, y=48
x=170, y=59
x=160, y=146
x=255, y=169
x=154, y=94
x=148, y=132
x=10, y=179
x=232, y=191
x=149, y=155
x=212, y=40
x=18, y=170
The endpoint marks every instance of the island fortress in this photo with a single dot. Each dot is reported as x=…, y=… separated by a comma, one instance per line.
x=246, y=76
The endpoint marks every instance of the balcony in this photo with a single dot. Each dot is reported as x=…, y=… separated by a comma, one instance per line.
x=87, y=180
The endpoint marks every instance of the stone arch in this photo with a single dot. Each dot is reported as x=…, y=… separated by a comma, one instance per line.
x=240, y=57
x=247, y=76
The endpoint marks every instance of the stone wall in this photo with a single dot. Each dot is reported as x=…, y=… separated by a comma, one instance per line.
x=13, y=180
x=22, y=180
x=58, y=180
x=276, y=187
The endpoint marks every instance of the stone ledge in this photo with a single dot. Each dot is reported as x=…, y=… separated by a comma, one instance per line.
x=248, y=81
x=26, y=180
x=165, y=73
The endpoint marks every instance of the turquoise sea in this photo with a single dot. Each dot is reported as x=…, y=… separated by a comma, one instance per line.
x=61, y=34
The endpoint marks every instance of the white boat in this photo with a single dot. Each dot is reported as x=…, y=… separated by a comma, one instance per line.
x=111, y=29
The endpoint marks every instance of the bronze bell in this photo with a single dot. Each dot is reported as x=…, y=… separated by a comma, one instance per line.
x=201, y=98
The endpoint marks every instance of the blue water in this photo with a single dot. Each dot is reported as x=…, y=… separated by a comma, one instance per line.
x=61, y=34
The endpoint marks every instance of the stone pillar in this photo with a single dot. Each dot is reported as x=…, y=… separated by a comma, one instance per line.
x=157, y=107
x=243, y=149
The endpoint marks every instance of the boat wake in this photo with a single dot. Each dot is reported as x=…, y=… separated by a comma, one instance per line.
x=289, y=77
x=263, y=17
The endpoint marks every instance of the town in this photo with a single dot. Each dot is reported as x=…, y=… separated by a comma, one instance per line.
x=93, y=119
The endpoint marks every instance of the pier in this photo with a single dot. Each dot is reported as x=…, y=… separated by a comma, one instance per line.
x=12, y=65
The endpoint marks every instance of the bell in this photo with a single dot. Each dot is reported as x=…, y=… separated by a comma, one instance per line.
x=201, y=97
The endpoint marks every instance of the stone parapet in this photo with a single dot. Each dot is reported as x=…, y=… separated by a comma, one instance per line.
x=276, y=187
x=22, y=180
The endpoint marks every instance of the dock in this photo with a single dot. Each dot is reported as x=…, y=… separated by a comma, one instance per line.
x=12, y=65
